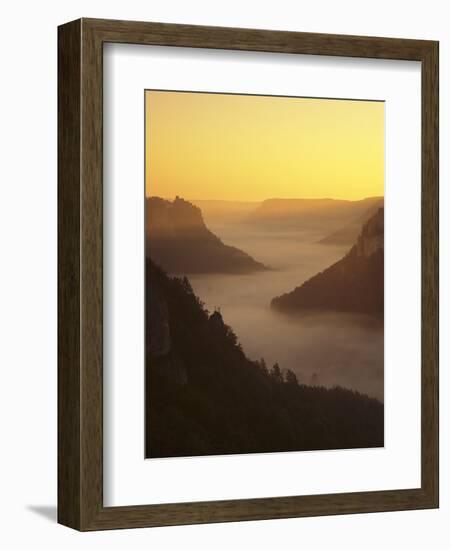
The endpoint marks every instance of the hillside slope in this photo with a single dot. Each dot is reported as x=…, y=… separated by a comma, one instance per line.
x=353, y=284
x=178, y=240
x=205, y=397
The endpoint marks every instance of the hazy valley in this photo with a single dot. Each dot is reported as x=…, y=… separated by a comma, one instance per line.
x=325, y=348
x=322, y=347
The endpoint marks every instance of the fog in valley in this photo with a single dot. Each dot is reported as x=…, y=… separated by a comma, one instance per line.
x=321, y=348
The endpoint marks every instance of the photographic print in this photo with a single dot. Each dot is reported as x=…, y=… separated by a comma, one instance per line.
x=264, y=277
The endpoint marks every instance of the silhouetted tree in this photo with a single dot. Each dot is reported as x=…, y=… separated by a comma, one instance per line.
x=291, y=377
x=263, y=366
x=276, y=374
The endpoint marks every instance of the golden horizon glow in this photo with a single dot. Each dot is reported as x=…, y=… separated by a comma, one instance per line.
x=252, y=148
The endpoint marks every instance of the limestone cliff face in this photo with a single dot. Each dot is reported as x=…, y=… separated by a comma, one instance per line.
x=178, y=240
x=179, y=218
x=353, y=284
x=371, y=238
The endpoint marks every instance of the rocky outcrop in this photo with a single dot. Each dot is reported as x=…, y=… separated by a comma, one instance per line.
x=353, y=284
x=178, y=240
x=166, y=220
x=371, y=238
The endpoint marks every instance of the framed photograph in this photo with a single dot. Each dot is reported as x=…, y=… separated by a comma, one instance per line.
x=248, y=274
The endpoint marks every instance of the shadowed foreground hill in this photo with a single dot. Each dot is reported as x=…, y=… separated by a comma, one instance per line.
x=179, y=241
x=205, y=397
x=353, y=284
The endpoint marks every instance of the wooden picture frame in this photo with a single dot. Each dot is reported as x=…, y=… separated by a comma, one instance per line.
x=80, y=271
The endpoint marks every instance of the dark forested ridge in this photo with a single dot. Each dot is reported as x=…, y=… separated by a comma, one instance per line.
x=353, y=284
x=179, y=241
x=205, y=397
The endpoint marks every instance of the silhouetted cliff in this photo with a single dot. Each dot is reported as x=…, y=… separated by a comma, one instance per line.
x=204, y=396
x=178, y=240
x=353, y=284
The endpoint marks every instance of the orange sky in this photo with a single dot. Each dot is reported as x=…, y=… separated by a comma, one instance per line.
x=235, y=147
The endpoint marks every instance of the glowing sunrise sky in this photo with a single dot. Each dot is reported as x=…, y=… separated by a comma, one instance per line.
x=251, y=148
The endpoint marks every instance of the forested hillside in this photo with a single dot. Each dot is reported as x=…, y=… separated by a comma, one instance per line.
x=204, y=396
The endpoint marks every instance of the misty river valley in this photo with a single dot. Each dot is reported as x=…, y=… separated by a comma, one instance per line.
x=322, y=348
